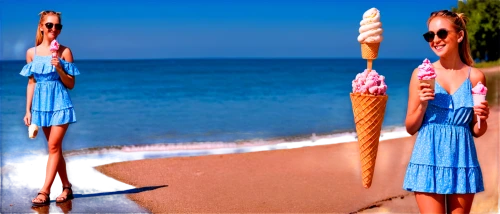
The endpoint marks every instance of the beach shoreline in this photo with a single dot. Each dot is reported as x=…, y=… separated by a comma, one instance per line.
x=322, y=178
x=309, y=178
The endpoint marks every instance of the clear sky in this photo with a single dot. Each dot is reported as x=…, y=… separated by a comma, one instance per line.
x=141, y=29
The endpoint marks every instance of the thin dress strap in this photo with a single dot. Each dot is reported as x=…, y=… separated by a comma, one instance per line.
x=35, y=50
x=470, y=68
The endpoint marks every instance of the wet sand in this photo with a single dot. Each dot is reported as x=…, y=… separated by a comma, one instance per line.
x=311, y=179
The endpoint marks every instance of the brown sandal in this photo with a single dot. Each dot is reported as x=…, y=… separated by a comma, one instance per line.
x=69, y=196
x=43, y=203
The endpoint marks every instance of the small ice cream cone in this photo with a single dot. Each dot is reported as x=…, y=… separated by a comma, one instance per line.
x=369, y=50
x=479, y=95
x=426, y=73
x=478, y=98
x=54, y=47
x=32, y=131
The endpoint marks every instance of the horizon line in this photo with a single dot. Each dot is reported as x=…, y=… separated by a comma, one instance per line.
x=221, y=58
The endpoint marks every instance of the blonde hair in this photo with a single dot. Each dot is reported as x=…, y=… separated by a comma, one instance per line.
x=459, y=21
x=39, y=32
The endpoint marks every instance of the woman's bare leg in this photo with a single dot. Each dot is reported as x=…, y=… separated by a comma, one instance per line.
x=56, y=162
x=430, y=202
x=62, y=174
x=459, y=203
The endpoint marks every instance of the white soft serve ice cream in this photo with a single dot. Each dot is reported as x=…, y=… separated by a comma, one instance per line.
x=371, y=27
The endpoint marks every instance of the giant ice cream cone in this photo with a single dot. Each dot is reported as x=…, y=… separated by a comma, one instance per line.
x=369, y=98
x=368, y=113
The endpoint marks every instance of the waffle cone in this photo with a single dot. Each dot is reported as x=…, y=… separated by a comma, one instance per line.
x=368, y=113
x=369, y=50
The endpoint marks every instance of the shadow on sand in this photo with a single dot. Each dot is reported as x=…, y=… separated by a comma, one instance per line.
x=129, y=191
x=85, y=202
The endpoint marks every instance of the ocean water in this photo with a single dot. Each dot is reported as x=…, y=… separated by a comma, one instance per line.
x=194, y=101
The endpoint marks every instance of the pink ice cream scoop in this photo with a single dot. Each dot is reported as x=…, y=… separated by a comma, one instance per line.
x=380, y=88
x=54, y=46
x=426, y=71
x=479, y=89
x=478, y=96
x=369, y=82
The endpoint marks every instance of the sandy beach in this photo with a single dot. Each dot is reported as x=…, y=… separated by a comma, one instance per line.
x=316, y=179
x=312, y=179
x=494, y=69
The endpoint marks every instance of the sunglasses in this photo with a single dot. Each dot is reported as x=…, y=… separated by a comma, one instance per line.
x=441, y=33
x=49, y=25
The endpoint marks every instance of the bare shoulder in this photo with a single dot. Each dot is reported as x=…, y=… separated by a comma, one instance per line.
x=30, y=53
x=66, y=53
x=476, y=76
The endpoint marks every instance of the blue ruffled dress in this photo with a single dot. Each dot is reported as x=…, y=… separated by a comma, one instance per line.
x=444, y=159
x=51, y=104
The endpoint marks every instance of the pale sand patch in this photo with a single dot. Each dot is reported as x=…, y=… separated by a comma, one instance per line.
x=494, y=69
x=311, y=179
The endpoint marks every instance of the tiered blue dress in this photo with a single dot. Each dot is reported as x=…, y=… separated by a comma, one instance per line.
x=444, y=159
x=51, y=104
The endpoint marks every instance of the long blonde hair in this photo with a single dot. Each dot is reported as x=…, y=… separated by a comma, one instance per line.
x=459, y=21
x=39, y=32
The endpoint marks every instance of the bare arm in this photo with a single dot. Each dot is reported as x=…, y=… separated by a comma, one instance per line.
x=29, y=89
x=66, y=79
x=481, y=110
x=418, y=97
x=29, y=93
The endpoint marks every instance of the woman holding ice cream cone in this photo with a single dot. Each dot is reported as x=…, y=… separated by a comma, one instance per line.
x=444, y=171
x=51, y=72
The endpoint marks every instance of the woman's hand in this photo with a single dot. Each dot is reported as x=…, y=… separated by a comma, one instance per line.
x=56, y=63
x=425, y=93
x=27, y=119
x=482, y=110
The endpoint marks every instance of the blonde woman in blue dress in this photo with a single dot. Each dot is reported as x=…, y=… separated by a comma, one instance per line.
x=48, y=104
x=444, y=171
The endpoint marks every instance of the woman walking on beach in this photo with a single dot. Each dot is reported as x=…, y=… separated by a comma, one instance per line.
x=444, y=171
x=48, y=104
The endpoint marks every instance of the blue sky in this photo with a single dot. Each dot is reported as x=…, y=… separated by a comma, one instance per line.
x=144, y=29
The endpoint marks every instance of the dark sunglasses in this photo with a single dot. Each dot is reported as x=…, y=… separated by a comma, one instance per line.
x=49, y=25
x=441, y=33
